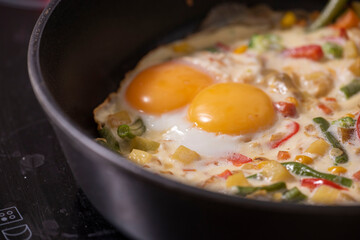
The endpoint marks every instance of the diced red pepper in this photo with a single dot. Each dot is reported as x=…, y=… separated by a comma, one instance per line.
x=238, y=159
x=222, y=46
x=356, y=176
x=343, y=33
x=283, y=155
x=294, y=128
x=313, y=183
x=313, y=52
x=357, y=127
x=348, y=19
x=286, y=109
x=225, y=174
x=325, y=108
x=189, y=170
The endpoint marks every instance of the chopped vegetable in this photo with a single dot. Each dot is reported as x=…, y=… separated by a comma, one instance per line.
x=140, y=157
x=313, y=52
x=332, y=9
x=345, y=122
x=350, y=50
x=332, y=50
x=357, y=127
x=264, y=42
x=306, y=171
x=356, y=175
x=325, y=195
x=286, y=109
x=241, y=49
x=185, y=155
x=347, y=20
x=319, y=147
x=111, y=141
x=352, y=88
x=243, y=191
x=283, y=155
x=337, y=170
x=324, y=126
x=288, y=20
x=313, y=183
x=293, y=127
x=130, y=131
x=118, y=118
x=304, y=159
x=237, y=179
x=325, y=108
x=293, y=195
x=275, y=172
x=345, y=133
x=222, y=46
x=238, y=159
x=355, y=67
x=144, y=144
x=225, y=174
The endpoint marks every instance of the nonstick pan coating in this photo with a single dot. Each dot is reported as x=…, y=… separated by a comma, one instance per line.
x=79, y=51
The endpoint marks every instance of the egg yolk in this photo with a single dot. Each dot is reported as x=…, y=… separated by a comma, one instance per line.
x=232, y=108
x=165, y=87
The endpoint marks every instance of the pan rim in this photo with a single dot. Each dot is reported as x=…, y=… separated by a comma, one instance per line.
x=67, y=126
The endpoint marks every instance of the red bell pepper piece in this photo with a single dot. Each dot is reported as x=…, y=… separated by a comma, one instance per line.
x=238, y=159
x=294, y=128
x=312, y=183
x=313, y=52
x=357, y=127
x=222, y=46
x=325, y=109
x=356, y=176
x=286, y=109
x=225, y=174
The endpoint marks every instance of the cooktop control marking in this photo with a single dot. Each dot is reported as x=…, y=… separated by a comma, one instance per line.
x=21, y=232
x=9, y=215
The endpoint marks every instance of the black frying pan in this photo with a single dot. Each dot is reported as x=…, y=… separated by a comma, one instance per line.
x=79, y=51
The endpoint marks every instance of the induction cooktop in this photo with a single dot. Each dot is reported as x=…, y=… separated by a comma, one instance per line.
x=39, y=198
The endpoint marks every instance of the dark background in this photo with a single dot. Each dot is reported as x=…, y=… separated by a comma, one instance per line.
x=34, y=175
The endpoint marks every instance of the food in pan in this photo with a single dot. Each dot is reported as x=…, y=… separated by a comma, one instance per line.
x=266, y=107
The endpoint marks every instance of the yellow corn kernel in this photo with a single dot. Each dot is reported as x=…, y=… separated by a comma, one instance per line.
x=304, y=159
x=139, y=156
x=292, y=100
x=325, y=195
x=237, y=179
x=319, y=147
x=185, y=155
x=337, y=170
x=288, y=20
x=182, y=47
x=355, y=67
x=350, y=50
x=240, y=50
x=275, y=172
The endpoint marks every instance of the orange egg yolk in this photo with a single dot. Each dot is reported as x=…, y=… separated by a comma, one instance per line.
x=165, y=87
x=232, y=108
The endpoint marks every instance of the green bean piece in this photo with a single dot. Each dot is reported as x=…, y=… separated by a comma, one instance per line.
x=243, y=191
x=124, y=131
x=111, y=141
x=293, y=195
x=306, y=171
x=329, y=13
x=345, y=122
x=324, y=126
x=351, y=89
x=332, y=50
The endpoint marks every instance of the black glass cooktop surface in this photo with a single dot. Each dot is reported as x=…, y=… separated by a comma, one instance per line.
x=39, y=198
